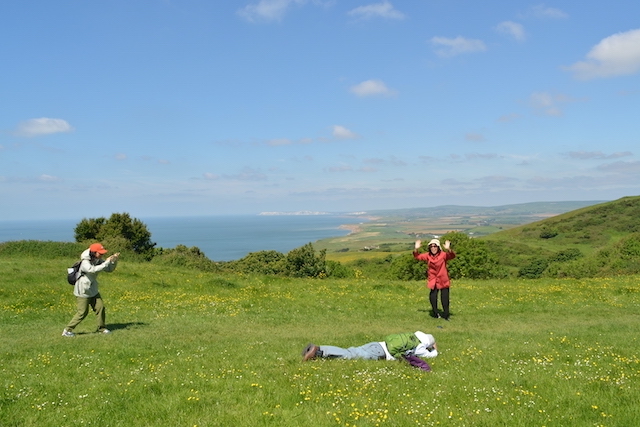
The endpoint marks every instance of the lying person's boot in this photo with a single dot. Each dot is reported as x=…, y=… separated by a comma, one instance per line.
x=310, y=352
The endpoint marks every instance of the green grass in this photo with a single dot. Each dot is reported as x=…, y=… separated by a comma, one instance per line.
x=203, y=349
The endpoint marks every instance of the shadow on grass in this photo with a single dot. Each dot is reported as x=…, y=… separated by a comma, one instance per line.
x=434, y=315
x=115, y=327
x=129, y=325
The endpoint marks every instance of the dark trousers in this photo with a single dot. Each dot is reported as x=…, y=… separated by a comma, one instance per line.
x=444, y=297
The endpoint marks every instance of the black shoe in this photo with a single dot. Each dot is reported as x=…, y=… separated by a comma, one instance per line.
x=445, y=317
x=435, y=314
x=310, y=352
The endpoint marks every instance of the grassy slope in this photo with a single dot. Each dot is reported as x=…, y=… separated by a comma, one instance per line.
x=512, y=210
x=199, y=349
x=393, y=231
x=513, y=233
x=592, y=230
x=591, y=227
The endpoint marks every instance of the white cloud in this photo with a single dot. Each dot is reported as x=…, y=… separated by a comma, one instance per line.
x=397, y=162
x=542, y=11
x=274, y=10
x=475, y=137
x=341, y=132
x=48, y=178
x=427, y=159
x=374, y=161
x=371, y=88
x=367, y=169
x=42, y=126
x=512, y=29
x=267, y=10
x=497, y=180
x=598, y=155
x=248, y=174
x=383, y=10
x=279, y=141
x=632, y=167
x=451, y=47
x=616, y=55
x=341, y=168
x=481, y=156
x=508, y=117
x=549, y=104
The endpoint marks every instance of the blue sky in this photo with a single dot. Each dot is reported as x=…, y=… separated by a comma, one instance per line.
x=167, y=108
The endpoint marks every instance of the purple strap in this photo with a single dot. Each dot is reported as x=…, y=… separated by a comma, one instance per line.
x=415, y=361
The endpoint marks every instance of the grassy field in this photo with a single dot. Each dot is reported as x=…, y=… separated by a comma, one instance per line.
x=195, y=349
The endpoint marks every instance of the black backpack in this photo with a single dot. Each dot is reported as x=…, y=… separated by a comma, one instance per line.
x=73, y=273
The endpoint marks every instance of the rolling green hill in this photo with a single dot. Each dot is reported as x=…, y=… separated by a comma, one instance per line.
x=394, y=230
x=530, y=240
x=513, y=210
x=598, y=240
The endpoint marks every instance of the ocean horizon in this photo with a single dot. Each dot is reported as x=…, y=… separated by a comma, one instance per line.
x=220, y=238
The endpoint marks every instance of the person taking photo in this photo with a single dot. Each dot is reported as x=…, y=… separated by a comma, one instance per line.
x=86, y=287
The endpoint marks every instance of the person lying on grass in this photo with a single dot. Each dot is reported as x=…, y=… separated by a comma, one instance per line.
x=408, y=346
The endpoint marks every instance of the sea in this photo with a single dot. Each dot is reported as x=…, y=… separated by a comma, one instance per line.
x=220, y=238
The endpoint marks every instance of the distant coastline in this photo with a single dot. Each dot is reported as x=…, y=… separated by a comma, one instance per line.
x=277, y=213
x=293, y=213
x=352, y=228
x=220, y=238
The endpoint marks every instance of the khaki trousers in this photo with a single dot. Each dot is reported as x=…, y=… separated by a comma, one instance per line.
x=82, y=309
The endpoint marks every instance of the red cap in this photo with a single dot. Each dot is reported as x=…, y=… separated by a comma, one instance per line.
x=97, y=247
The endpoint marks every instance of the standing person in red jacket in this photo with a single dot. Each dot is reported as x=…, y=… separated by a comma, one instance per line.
x=437, y=274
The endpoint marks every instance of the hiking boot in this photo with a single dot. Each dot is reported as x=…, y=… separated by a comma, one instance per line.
x=67, y=333
x=310, y=352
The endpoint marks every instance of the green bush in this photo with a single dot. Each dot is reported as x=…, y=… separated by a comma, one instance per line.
x=547, y=233
x=534, y=269
x=629, y=247
x=406, y=267
x=130, y=233
x=262, y=262
x=300, y=262
x=304, y=262
x=37, y=248
x=339, y=271
x=473, y=259
x=566, y=255
x=183, y=256
x=621, y=258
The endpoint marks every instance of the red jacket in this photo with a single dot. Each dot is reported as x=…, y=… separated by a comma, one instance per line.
x=437, y=274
